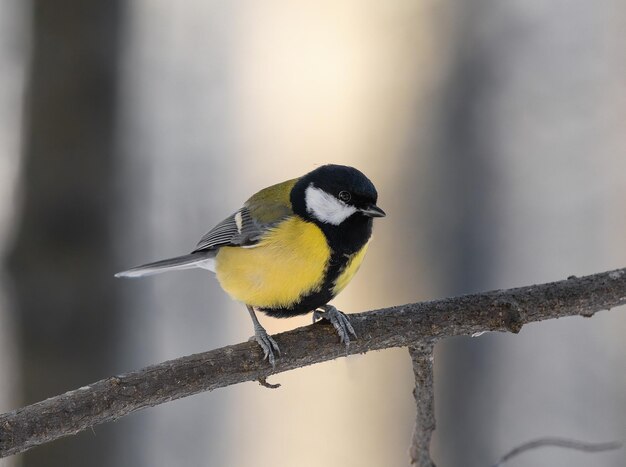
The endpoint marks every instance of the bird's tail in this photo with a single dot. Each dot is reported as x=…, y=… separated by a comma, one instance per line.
x=203, y=260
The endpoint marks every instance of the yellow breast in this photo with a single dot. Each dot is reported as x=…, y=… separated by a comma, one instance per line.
x=348, y=272
x=288, y=263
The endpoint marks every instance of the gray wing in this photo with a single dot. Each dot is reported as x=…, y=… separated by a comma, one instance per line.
x=247, y=226
x=238, y=229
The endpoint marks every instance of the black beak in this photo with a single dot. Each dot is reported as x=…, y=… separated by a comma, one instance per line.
x=373, y=211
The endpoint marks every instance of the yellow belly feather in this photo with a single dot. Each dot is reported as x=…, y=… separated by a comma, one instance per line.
x=288, y=263
x=348, y=272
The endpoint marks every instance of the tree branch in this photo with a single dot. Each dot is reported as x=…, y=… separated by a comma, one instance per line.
x=422, y=356
x=398, y=326
x=558, y=443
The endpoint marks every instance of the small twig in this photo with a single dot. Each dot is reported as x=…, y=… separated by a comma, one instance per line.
x=422, y=356
x=263, y=382
x=560, y=443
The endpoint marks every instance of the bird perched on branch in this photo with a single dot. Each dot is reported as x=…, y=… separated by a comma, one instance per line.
x=290, y=249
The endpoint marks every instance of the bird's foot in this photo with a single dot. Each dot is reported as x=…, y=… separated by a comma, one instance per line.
x=267, y=343
x=263, y=338
x=339, y=320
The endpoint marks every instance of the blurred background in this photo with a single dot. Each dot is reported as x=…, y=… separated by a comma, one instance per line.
x=495, y=131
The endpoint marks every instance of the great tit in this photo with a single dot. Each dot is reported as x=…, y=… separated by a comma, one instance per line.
x=290, y=249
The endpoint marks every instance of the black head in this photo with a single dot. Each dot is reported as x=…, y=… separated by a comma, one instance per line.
x=333, y=193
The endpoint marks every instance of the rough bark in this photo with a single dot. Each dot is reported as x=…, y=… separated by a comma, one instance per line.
x=398, y=326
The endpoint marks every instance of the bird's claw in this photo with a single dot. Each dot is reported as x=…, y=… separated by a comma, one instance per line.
x=339, y=320
x=263, y=338
x=267, y=343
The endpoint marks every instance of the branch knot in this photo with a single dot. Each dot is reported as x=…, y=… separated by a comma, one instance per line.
x=511, y=313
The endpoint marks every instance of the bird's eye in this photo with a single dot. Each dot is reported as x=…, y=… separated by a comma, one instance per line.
x=344, y=196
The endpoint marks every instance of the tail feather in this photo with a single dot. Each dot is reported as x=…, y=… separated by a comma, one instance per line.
x=193, y=260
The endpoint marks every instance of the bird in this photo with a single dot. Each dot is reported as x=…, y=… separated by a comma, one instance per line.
x=289, y=250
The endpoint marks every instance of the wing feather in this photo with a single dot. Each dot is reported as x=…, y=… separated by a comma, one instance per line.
x=248, y=225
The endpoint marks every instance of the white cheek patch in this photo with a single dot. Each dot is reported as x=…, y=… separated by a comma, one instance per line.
x=325, y=207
